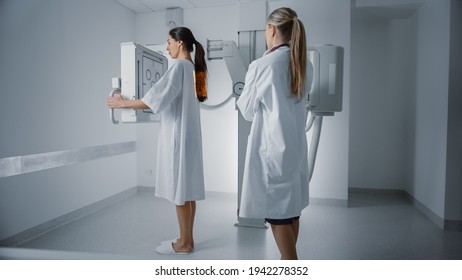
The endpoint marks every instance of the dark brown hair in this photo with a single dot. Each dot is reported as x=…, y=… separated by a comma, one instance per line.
x=200, y=67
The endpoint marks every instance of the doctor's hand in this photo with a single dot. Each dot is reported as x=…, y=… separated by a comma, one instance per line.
x=115, y=101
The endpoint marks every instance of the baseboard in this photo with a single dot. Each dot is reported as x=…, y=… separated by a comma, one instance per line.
x=444, y=224
x=427, y=212
x=328, y=201
x=34, y=232
x=377, y=191
x=208, y=194
x=145, y=189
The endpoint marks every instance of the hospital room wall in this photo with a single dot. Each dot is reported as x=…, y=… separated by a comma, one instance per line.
x=57, y=60
x=403, y=136
x=326, y=22
x=382, y=101
x=428, y=175
x=436, y=177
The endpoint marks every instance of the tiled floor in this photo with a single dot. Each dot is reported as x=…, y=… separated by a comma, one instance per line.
x=374, y=226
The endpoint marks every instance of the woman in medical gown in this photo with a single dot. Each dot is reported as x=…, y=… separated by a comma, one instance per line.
x=179, y=174
x=275, y=181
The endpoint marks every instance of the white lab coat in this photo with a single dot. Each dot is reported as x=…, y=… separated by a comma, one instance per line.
x=179, y=174
x=275, y=181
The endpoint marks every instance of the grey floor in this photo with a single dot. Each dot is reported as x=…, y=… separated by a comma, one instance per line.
x=374, y=226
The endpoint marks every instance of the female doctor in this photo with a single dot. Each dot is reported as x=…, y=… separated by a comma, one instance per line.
x=275, y=182
x=176, y=97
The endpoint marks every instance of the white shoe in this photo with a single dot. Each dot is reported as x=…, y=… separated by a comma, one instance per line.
x=167, y=249
x=168, y=241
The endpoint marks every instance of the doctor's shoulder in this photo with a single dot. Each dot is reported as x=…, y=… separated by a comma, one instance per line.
x=260, y=64
x=271, y=60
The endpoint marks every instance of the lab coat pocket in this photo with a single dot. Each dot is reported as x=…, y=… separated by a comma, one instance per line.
x=282, y=157
x=281, y=162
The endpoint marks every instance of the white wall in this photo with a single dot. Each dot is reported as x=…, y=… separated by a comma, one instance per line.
x=431, y=116
x=382, y=97
x=57, y=59
x=405, y=125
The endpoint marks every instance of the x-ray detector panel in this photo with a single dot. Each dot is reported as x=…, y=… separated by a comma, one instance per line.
x=141, y=68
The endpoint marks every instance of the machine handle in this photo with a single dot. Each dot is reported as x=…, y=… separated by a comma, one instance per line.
x=111, y=110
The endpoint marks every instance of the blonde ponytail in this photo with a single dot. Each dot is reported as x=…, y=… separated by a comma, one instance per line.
x=291, y=30
x=297, y=62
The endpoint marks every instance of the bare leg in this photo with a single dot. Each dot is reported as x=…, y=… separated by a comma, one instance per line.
x=295, y=229
x=193, y=215
x=185, y=215
x=285, y=240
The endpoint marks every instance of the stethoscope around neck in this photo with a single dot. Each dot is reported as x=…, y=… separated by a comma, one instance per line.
x=276, y=47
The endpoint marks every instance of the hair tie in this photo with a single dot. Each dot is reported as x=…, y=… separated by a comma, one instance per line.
x=295, y=18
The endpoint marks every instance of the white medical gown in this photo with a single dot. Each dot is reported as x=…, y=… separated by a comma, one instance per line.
x=275, y=181
x=179, y=174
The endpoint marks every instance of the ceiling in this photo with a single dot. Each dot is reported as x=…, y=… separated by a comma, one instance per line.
x=144, y=6
x=375, y=8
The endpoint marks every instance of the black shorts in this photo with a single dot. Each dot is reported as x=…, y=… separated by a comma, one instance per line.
x=288, y=221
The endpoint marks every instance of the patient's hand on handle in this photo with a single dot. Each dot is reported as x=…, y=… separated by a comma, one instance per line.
x=115, y=101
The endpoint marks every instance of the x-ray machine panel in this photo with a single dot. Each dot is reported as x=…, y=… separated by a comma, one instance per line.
x=141, y=68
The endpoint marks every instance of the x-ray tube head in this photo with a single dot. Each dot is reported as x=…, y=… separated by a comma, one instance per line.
x=228, y=51
x=326, y=95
